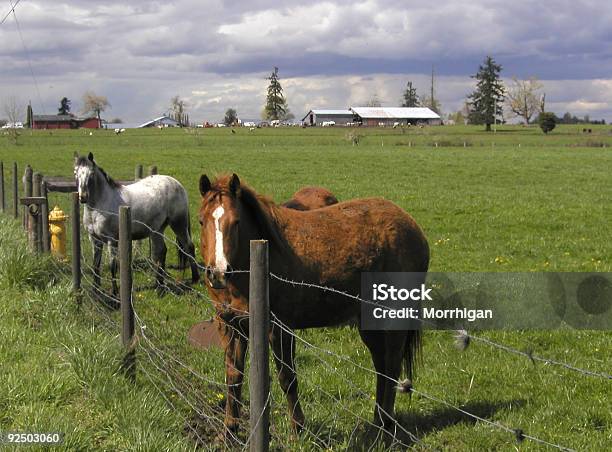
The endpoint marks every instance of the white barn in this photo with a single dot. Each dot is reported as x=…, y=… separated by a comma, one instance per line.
x=162, y=121
x=388, y=116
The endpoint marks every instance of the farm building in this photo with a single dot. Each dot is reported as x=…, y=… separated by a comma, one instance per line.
x=318, y=117
x=162, y=121
x=388, y=116
x=63, y=122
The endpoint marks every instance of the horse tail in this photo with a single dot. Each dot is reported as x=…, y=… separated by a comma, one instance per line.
x=412, y=352
x=413, y=343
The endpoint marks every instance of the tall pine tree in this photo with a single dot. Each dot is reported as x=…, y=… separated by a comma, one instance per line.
x=276, y=104
x=486, y=102
x=410, y=96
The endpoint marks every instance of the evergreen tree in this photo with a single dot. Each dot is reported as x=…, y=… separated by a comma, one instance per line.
x=64, y=108
x=487, y=100
x=410, y=96
x=276, y=104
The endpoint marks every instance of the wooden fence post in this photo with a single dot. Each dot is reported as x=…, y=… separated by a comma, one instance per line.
x=36, y=219
x=125, y=290
x=76, y=246
x=2, y=197
x=152, y=170
x=259, y=328
x=138, y=173
x=44, y=217
x=27, y=192
x=15, y=192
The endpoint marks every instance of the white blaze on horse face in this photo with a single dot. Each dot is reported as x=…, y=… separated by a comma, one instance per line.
x=220, y=259
x=82, y=175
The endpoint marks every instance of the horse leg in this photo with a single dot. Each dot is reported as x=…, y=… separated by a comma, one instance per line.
x=159, y=258
x=283, y=347
x=97, y=260
x=394, y=351
x=195, y=271
x=186, y=248
x=235, y=351
x=375, y=341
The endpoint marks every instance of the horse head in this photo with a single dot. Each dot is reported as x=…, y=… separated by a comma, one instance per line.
x=219, y=217
x=84, y=168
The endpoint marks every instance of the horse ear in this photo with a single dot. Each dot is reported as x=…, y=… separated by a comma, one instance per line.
x=234, y=185
x=204, y=184
x=90, y=157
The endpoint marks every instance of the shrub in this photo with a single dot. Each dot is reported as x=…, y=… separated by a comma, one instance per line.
x=547, y=121
x=353, y=137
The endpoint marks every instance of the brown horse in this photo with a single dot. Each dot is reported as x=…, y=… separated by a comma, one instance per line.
x=330, y=246
x=309, y=198
x=306, y=198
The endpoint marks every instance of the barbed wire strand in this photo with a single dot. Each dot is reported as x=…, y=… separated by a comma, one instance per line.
x=534, y=357
x=347, y=381
x=402, y=384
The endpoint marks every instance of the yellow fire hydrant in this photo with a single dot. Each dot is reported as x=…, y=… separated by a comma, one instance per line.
x=57, y=228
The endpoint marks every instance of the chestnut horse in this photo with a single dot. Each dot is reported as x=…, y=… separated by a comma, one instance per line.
x=330, y=246
x=308, y=198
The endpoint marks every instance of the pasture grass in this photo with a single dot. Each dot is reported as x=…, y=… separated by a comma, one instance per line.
x=488, y=206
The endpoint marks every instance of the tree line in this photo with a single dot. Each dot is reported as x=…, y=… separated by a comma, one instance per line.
x=524, y=99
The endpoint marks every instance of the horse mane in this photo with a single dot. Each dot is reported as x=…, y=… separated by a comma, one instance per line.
x=263, y=208
x=112, y=182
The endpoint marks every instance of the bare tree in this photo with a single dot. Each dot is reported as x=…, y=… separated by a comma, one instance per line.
x=14, y=113
x=179, y=107
x=92, y=103
x=523, y=98
x=374, y=101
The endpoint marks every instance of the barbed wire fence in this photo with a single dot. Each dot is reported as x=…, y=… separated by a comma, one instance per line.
x=323, y=355
x=195, y=393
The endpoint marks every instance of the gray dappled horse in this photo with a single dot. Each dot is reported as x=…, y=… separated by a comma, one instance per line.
x=156, y=202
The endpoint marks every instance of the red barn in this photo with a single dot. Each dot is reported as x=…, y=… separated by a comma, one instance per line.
x=90, y=123
x=63, y=122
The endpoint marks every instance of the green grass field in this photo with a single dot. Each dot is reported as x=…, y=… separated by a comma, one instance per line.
x=515, y=200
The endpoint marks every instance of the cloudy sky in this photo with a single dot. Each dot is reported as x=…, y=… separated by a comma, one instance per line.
x=217, y=54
